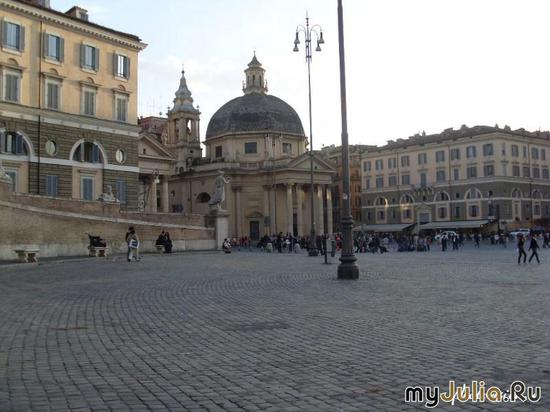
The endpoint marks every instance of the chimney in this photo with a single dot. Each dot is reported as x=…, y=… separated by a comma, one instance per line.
x=78, y=12
x=39, y=3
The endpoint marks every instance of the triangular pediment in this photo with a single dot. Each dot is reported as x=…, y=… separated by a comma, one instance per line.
x=319, y=163
x=153, y=148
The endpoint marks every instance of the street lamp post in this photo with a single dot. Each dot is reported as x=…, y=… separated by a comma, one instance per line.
x=318, y=32
x=347, y=269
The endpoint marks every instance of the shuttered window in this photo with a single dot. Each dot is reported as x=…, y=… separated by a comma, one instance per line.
x=87, y=192
x=13, y=176
x=88, y=105
x=13, y=36
x=11, y=86
x=89, y=57
x=121, y=66
x=51, y=186
x=121, y=108
x=52, y=95
x=12, y=143
x=53, y=47
x=122, y=191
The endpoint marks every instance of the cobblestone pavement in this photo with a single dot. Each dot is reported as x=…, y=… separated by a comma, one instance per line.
x=253, y=331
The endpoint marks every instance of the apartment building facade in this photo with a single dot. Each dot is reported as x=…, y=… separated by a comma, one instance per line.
x=68, y=103
x=473, y=178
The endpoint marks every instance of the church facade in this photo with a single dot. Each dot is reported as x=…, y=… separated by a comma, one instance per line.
x=258, y=141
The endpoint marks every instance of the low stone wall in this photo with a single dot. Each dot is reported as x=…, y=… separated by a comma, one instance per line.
x=60, y=227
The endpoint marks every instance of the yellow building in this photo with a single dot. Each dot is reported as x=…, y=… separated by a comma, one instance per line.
x=68, y=103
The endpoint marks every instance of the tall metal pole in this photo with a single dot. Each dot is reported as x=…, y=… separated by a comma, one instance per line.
x=312, y=236
x=307, y=30
x=347, y=269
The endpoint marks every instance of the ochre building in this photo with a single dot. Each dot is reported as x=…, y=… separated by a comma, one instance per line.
x=478, y=178
x=68, y=102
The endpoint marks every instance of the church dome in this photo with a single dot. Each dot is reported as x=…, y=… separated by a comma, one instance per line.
x=255, y=112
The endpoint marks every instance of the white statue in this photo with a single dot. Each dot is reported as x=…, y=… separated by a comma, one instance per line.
x=219, y=190
x=108, y=196
x=4, y=177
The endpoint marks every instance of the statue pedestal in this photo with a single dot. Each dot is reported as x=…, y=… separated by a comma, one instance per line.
x=220, y=220
x=6, y=188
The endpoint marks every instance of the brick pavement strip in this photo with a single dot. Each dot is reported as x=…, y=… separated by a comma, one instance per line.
x=251, y=331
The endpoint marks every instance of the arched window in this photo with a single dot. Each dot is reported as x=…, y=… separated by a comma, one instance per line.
x=516, y=193
x=203, y=197
x=441, y=197
x=13, y=143
x=406, y=199
x=88, y=152
x=536, y=194
x=473, y=193
x=381, y=201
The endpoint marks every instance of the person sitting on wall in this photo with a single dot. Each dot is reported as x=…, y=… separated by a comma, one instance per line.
x=167, y=243
x=161, y=240
x=226, y=246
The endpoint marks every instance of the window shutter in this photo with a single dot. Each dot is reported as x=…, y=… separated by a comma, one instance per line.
x=16, y=88
x=3, y=142
x=115, y=71
x=82, y=55
x=18, y=144
x=3, y=32
x=95, y=154
x=96, y=59
x=61, y=49
x=81, y=152
x=127, y=67
x=45, y=45
x=21, y=38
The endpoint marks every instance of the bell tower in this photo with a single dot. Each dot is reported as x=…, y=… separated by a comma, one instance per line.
x=184, y=128
x=255, y=77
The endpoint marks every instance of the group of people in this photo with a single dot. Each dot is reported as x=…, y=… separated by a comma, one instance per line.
x=133, y=242
x=533, y=247
x=164, y=241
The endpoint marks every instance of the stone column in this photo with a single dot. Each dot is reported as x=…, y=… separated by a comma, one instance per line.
x=329, y=210
x=164, y=196
x=267, y=190
x=300, y=210
x=273, y=210
x=320, y=211
x=153, y=195
x=238, y=211
x=289, y=208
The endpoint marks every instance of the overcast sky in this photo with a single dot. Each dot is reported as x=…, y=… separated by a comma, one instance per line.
x=412, y=65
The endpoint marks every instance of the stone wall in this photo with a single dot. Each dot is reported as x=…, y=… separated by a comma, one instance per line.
x=60, y=227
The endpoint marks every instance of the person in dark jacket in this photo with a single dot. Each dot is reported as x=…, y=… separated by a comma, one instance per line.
x=167, y=243
x=521, y=250
x=533, y=247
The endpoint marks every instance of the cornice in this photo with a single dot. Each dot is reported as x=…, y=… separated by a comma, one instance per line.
x=69, y=23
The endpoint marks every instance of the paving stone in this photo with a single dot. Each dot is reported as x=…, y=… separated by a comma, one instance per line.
x=252, y=331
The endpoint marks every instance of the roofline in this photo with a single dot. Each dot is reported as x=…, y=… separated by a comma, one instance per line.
x=252, y=132
x=463, y=133
x=21, y=6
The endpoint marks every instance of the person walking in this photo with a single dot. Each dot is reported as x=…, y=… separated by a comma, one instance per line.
x=533, y=247
x=477, y=238
x=521, y=250
x=133, y=244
